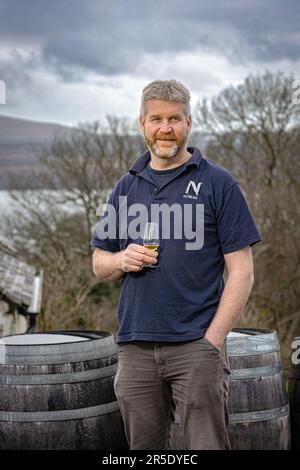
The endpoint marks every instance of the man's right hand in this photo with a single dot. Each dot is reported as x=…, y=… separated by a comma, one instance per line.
x=134, y=258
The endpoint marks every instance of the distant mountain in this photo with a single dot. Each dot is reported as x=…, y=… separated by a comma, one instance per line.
x=19, y=141
x=14, y=130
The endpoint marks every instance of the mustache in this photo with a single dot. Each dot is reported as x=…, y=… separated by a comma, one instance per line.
x=164, y=138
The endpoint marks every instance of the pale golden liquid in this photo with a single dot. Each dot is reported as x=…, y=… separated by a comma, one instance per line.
x=151, y=247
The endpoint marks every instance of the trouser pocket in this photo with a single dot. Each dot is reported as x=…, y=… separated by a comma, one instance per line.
x=221, y=353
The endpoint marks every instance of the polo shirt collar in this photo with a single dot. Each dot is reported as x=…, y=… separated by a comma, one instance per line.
x=143, y=160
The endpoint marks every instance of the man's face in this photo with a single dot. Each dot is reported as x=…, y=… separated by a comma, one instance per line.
x=165, y=127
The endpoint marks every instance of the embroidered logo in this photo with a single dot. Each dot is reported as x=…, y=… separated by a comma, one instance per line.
x=195, y=187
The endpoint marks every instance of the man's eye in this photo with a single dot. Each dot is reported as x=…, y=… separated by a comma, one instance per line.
x=174, y=119
x=155, y=119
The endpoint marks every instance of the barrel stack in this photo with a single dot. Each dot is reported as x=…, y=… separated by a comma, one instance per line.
x=57, y=392
x=258, y=403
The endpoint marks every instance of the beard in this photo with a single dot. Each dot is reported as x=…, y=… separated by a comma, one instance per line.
x=166, y=152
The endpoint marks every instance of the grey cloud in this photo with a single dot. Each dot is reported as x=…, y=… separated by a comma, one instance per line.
x=112, y=37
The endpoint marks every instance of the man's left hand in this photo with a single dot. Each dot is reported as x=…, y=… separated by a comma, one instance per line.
x=217, y=344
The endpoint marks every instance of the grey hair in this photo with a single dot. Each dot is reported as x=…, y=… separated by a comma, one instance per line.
x=168, y=90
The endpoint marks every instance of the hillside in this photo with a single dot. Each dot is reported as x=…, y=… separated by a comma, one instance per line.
x=20, y=139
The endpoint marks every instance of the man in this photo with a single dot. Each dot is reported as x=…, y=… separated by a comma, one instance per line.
x=174, y=317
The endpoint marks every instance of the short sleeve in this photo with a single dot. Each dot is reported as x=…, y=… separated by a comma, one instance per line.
x=235, y=223
x=105, y=235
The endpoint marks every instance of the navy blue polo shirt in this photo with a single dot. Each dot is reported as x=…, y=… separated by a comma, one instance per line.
x=177, y=300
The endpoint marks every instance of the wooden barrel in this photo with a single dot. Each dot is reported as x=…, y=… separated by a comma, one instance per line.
x=294, y=393
x=258, y=404
x=57, y=391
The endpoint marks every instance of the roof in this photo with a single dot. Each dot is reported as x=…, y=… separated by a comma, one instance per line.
x=16, y=276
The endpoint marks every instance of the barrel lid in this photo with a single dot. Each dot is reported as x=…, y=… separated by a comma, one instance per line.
x=236, y=334
x=252, y=341
x=41, y=338
x=56, y=347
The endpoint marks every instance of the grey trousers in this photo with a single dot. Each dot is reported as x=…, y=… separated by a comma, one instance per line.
x=173, y=395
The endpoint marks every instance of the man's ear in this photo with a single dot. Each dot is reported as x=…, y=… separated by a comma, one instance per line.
x=142, y=123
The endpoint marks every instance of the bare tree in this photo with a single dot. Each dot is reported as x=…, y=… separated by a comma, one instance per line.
x=53, y=227
x=254, y=130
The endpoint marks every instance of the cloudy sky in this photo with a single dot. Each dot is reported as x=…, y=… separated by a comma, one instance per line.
x=73, y=61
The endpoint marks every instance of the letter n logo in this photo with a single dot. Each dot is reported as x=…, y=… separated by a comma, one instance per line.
x=196, y=187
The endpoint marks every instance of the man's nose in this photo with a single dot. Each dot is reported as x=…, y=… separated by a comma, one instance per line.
x=165, y=127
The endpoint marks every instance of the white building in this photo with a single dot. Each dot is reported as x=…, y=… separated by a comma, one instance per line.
x=20, y=292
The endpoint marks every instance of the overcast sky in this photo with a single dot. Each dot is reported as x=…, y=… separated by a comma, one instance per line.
x=73, y=61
